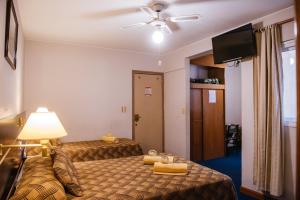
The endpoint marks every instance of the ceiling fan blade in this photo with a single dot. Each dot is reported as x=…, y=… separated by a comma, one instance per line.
x=173, y=26
x=184, y=18
x=192, y=1
x=167, y=29
x=148, y=11
x=112, y=13
x=135, y=25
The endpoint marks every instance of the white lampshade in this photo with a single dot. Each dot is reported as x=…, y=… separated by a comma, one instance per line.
x=42, y=125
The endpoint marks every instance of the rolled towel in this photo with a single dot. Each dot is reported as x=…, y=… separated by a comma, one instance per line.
x=170, y=169
x=109, y=138
x=150, y=160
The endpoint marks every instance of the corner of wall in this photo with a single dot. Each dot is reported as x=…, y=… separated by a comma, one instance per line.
x=11, y=84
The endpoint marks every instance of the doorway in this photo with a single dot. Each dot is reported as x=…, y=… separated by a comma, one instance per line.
x=148, y=110
x=215, y=124
x=207, y=108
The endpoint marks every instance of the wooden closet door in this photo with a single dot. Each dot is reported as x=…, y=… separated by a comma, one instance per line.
x=196, y=124
x=213, y=124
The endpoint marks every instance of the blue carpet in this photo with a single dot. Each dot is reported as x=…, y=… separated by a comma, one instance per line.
x=231, y=166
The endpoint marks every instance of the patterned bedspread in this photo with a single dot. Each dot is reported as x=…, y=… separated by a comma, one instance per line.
x=128, y=179
x=96, y=150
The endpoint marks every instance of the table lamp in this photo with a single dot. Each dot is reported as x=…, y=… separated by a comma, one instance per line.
x=41, y=125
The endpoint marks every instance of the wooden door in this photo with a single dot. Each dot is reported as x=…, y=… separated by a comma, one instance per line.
x=148, y=110
x=196, y=124
x=213, y=124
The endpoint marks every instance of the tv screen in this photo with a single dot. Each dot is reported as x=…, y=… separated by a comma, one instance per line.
x=233, y=45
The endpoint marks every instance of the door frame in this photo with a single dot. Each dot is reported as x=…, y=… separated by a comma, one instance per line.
x=297, y=17
x=134, y=72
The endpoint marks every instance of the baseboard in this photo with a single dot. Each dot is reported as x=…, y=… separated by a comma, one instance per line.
x=252, y=193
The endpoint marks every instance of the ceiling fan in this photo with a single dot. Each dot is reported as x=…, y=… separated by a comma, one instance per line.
x=158, y=21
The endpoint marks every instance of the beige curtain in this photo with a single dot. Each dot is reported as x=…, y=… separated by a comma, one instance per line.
x=268, y=118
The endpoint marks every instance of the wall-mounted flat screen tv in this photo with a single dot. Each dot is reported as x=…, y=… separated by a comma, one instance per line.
x=234, y=45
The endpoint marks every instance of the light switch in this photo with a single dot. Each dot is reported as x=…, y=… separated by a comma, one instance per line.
x=124, y=109
x=183, y=111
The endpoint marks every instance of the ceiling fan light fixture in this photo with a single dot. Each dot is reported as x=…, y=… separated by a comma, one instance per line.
x=158, y=36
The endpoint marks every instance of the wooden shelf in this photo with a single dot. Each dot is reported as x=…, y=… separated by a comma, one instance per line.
x=206, y=61
x=207, y=86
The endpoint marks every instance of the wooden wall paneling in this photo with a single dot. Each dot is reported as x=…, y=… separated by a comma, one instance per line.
x=213, y=126
x=208, y=86
x=252, y=193
x=196, y=124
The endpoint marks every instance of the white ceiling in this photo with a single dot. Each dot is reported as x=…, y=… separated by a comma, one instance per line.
x=99, y=22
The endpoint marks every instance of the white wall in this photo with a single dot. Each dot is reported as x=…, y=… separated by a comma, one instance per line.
x=198, y=72
x=85, y=86
x=233, y=95
x=175, y=62
x=290, y=162
x=175, y=112
x=247, y=124
x=10, y=80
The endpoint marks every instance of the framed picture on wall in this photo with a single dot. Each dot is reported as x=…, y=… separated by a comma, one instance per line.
x=11, y=35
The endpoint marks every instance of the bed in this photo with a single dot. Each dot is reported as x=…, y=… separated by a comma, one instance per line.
x=95, y=149
x=124, y=179
x=11, y=161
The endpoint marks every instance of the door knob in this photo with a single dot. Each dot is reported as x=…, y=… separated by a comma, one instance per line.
x=137, y=117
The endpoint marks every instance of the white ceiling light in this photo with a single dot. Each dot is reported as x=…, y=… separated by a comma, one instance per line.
x=159, y=62
x=158, y=36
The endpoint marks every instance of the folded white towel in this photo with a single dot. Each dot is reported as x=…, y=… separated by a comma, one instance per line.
x=171, y=168
x=150, y=160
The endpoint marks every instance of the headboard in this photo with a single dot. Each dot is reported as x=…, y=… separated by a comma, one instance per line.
x=12, y=160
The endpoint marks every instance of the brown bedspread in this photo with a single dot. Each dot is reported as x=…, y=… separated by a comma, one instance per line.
x=128, y=179
x=99, y=150
x=95, y=149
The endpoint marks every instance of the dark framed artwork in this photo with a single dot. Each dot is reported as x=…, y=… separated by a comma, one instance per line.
x=11, y=35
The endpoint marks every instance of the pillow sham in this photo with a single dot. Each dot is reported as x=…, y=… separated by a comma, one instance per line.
x=38, y=181
x=66, y=173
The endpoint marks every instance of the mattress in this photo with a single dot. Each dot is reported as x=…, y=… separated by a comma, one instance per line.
x=129, y=179
x=95, y=149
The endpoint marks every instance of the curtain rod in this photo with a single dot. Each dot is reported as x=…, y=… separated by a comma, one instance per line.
x=286, y=21
x=279, y=23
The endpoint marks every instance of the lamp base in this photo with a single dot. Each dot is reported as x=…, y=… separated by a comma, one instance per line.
x=44, y=144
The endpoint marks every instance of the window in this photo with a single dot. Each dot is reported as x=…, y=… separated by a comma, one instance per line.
x=289, y=85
